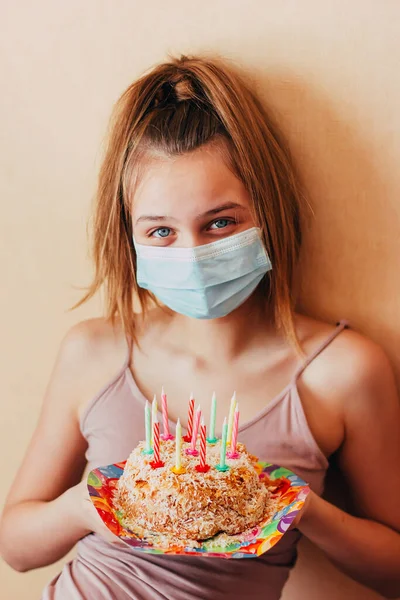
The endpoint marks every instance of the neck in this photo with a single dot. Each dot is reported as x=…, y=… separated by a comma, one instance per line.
x=224, y=338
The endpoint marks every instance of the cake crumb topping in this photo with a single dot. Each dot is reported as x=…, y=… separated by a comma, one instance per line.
x=185, y=509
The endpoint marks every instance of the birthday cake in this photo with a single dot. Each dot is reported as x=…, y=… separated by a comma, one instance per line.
x=190, y=505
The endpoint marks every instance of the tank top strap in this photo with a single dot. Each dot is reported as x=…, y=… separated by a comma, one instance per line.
x=340, y=326
x=129, y=344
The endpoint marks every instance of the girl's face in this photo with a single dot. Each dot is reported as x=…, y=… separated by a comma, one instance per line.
x=189, y=201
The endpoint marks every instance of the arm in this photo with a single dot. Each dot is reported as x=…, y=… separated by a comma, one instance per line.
x=366, y=546
x=45, y=512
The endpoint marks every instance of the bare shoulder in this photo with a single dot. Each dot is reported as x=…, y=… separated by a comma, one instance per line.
x=102, y=345
x=92, y=352
x=351, y=366
x=93, y=338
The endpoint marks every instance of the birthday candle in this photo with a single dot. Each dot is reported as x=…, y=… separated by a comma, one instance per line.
x=212, y=439
x=177, y=468
x=202, y=467
x=154, y=410
x=202, y=443
x=192, y=450
x=178, y=446
x=147, y=417
x=233, y=453
x=196, y=428
x=222, y=461
x=164, y=407
x=230, y=418
x=156, y=436
x=188, y=436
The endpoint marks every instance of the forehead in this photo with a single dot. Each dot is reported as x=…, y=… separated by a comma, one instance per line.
x=192, y=181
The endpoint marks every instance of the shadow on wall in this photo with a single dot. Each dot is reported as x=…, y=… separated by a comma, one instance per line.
x=349, y=262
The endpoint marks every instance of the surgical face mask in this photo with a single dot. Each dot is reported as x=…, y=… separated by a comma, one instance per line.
x=204, y=282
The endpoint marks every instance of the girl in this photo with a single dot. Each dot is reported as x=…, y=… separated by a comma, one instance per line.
x=196, y=236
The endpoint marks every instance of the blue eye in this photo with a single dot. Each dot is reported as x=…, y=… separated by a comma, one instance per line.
x=221, y=223
x=162, y=232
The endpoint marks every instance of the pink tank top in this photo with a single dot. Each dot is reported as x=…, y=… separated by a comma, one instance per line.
x=113, y=424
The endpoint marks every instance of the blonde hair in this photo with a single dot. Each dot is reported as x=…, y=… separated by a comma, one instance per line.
x=174, y=108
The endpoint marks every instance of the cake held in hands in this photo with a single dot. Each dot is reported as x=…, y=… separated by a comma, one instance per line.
x=190, y=506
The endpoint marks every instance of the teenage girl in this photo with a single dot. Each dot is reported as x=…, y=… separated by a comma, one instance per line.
x=196, y=236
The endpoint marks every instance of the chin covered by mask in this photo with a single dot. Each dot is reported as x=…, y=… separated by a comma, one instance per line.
x=204, y=282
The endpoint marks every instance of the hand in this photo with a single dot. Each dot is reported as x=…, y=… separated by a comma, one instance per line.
x=305, y=511
x=86, y=513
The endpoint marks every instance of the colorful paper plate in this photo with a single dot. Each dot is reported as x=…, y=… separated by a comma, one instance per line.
x=288, y=490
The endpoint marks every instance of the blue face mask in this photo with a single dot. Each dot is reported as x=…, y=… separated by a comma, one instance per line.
x=204, y=282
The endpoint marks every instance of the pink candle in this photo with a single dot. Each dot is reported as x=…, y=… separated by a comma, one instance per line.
x=233, y=452
x=156, y=463
x=188, y=436
x=192, y=450
x=202, y=467
x=164, y=407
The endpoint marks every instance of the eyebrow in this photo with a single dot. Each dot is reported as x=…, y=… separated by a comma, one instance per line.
x=212, y=211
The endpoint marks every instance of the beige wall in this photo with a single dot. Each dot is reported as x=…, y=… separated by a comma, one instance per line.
x=329, y=69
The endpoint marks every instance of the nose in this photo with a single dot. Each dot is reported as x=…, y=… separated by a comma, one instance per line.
x=190, y=239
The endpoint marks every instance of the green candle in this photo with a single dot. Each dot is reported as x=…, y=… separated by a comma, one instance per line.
x=211, y=438
x=147, y=421
x=222, y=461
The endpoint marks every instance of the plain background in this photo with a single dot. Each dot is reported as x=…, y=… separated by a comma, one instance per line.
x=329, y=72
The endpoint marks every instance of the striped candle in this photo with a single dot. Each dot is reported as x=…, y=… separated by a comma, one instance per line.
x=202, y=467
x=233, y=452
x=156, y=435
x=188, y=436
x=192, y=450
x=154, y=417
x=164, y=407
x=156, y=463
